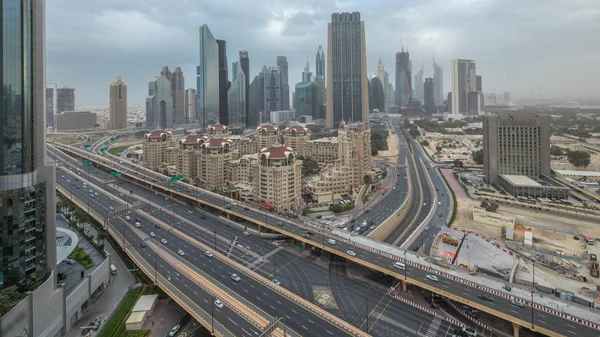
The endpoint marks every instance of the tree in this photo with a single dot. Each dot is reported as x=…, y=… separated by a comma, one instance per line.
x=579, y=158
x=556, y=150
x=425, y=142
x=438, y=148
x=478, y=156
x=9, y=297
x=457, y=163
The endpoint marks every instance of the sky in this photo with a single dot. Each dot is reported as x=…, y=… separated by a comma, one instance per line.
x=522, y=46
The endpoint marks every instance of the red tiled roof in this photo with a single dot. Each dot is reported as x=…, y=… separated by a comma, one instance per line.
x=277, y=151
x=192, y=139
x=217, y=127
x=157, y=133
x=216, y=143
x=298, y=129
x=268, y=127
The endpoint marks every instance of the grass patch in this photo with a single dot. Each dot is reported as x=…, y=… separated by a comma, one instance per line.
x=80, y=255
x=116, y=151
x=116, y=325
x=466, y=181
x=487, y=190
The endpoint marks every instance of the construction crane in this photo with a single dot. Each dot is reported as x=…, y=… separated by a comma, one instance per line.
x=459, y=247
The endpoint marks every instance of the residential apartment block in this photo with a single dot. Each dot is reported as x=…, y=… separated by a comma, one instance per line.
x=214, y=153
x=266, y=135
x=279, y=178
x=296, y=137
x=75, y=120
x=155, y=149
x=323, y=150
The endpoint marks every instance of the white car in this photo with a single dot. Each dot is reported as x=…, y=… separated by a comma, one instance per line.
x=174, y=330
x=219, y=304
x=191, y=212
x=351, y=253
x=246, y=233
x=163, y=241
x=96, y=193
x=208, y=253
x=276, y=281
x=128, y=218
x=111, y=208
x=70, y=261
x=152, y=234
x=138, y=225
x=432, y=278
x=91, y=191
x=181, y=252
x=235, y=277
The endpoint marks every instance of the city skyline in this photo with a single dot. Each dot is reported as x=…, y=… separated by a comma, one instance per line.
x=429, y=28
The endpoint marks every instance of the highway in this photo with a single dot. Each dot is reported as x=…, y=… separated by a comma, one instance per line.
x=296, y=273
x=451, y=288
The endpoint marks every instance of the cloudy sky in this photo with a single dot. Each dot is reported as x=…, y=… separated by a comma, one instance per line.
x=547, y=46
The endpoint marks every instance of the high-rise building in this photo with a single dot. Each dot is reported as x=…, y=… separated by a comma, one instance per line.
x=159, y=104
x=506, y=97
x=272, y=90
x=279, y=178
x=49, y=106
x=320, y=81
x=207, y=79
x=261, y=94
x=438, y=83
x=245, y=64
x=306, y=74
x=296, y=137
x=189, y=103
x=236, y=96
x=377, y=94
x=403, y=79
x=75, y=120
x=282, y=63
x=223, y=83
x=65, y=99
x=419, y=85
x=117, y=101
x=429, y=93
x=464, y=82
x=253, y=100
x=320, y=63
x=347, y=82
x=177, y=91
x=306, y=99
x=27, y=183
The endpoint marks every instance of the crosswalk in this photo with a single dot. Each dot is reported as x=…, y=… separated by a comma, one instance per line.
x=372, y=283
x=434, y=326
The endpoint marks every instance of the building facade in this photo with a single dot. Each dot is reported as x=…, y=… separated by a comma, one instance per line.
x=347, y=82
x=355, y=151
x=266, y=135
x=253, y=100
x=65, y=99
x=223, y=83
x=207, y=79
x=281, y=116
x=155, y=148
x=429, y=96
x=75, y=120
x=217, y=130
x=438, y=83
x=272, y=90
x=306, y=99
x=117, y=100
x=50, y=106
x=187, y=157
x=403, y=79
x=279, y=178
x=464, y=82
x=323, y=150
x=189, y=102
x=418, y=83
x=296, y=138
x=245, y=64
x=284, y=85
x=159, y=104
x=236, y=96
x=214, y=153
x=320, y=62
x=377, y=95
x=177, y=81
x=27, y=183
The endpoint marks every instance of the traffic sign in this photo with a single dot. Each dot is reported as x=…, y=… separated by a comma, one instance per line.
x=115, y=173
x=176, y=178
x=87, y=162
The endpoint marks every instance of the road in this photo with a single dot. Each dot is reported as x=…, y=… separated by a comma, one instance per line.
x=384, y=263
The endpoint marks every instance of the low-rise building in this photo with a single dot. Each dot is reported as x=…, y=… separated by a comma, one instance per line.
x=75, y=120
x=155, y=149
x=323, y=150
x=214, y=153
x=331, y=183
x=296, y=138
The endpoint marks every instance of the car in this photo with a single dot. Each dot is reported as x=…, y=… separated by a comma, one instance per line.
x=276, y=281
x=68, y=180
x=368, y=210
x=91, y=195
x=310, y=233
x=219, y=304
x=440, y=215
x=152, y=234
x=157, y=225
x=155, y=193
x=246, y=233
x=208, y=253
x=163, y=241
x=353, y=220
x=351, y=253
x=128, y=218
x=517, y=303
x=235, y=277
x=96, y=193
x=181, y=252
x=111, y=208
x=305, y=235
x=279, y=223
x=432, y=278
x=202, y=217
x=331, y=241
x=70, y=261
x=91, y=191
x=143, y=244
x=426, y=228
x=138, y=225
x=593, y=257
x=246, y=208
x=486, y=297
x=424, y=204
x=191, y=212
x=174, y=330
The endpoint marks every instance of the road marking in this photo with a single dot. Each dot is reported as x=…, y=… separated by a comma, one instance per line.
x=539, y=320
x=232, y=321
x=305, y=328
x=288, y=317
x=329, y=332
x=571, y=332
x=272, y=307
x=245, y=290
x=294, y=311
x=195, y=293
x=311, y=321
x=445, y=286
x=258, y=298
x=252, y=286
x=185, y=285
x=278, y=302
x=264, y=293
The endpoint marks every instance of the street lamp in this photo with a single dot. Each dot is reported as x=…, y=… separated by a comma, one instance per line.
x=155, y=278
x=215, y=233
x=405, y=276
x=532, y=290
x=212, y=316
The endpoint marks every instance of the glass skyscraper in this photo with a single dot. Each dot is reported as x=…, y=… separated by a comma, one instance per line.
x=207, y=79
x=27, y=184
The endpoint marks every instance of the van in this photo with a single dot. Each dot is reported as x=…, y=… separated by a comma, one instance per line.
x=113, y=269
x=399, y=265
x=331, y=241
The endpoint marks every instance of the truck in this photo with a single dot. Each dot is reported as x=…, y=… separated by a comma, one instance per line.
x=594, y=269
x=449, y=240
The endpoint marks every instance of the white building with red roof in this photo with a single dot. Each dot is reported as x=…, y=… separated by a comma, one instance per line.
x=214, y=153
x=296, y=137
x=155, y=149
x=279, y=178
x=266, y=135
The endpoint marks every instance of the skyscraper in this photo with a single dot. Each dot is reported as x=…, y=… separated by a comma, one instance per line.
x=428, y=92
x=347, y=83
x=159, y=104
x=245, y=64
x=189, y=103
x=403, y=79
x=177, y=92
x=50, y=106
x=306, y=74
x=438, y=83
x=236, y=96
x=117, y=100
x=320, y=63
x=272, y=90
x=223, y=83
x=306, y=99
x=377, y=94
x=464, y=82
x=65, y=100
x=419, y=84
x=27, y=183
x=207, y=79
x=253, y=100
x=282, y=63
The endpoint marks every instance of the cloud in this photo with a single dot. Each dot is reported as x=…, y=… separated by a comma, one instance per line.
x=518, y=44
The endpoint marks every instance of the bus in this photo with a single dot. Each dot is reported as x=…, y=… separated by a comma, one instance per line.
x=589, y=240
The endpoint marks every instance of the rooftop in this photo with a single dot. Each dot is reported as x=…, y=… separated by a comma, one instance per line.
x=158, y=134
x=277, y=151
x=523, y=181
x=217, y=127
x=268, y=127
x=145, y=303
x=578, y=173
x=216, y=143
x=192, y=139
x=298, y=128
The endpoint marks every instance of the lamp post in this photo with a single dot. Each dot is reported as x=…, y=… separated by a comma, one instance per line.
x=212, y=316
x=215, y=235
x=155, y=278
x=367, y=313
x=532, y=290
x=405, y=276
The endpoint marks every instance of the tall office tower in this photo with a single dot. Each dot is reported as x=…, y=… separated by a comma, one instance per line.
x=282, y=63
x=253, y=100
x=377, y=94
x=419, y=85
x=245, y=64
x=49, y=106
x=320, y=63
x=380, y=70
x=428, y=96
x=223, y=83
x=479, y=86
x=236, y=96
x=27, y=183
x=189, y=102
x=438, y=83
x=207, y=80
x=177, y=91
x=306, y=74
x=159, y=104
x=403, y=79
x=272, y=90
x=117, y=100
x=65, y=100
x=516, y=144
x=347, y=82
x=463, y=83
x=306, y=99
x=320, y=81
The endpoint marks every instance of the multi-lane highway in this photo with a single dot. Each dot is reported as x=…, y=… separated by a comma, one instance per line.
x=446, y=286
x=296, y=273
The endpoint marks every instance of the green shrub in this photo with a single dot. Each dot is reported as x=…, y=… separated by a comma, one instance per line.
x=116, y=325
x=80, y=255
